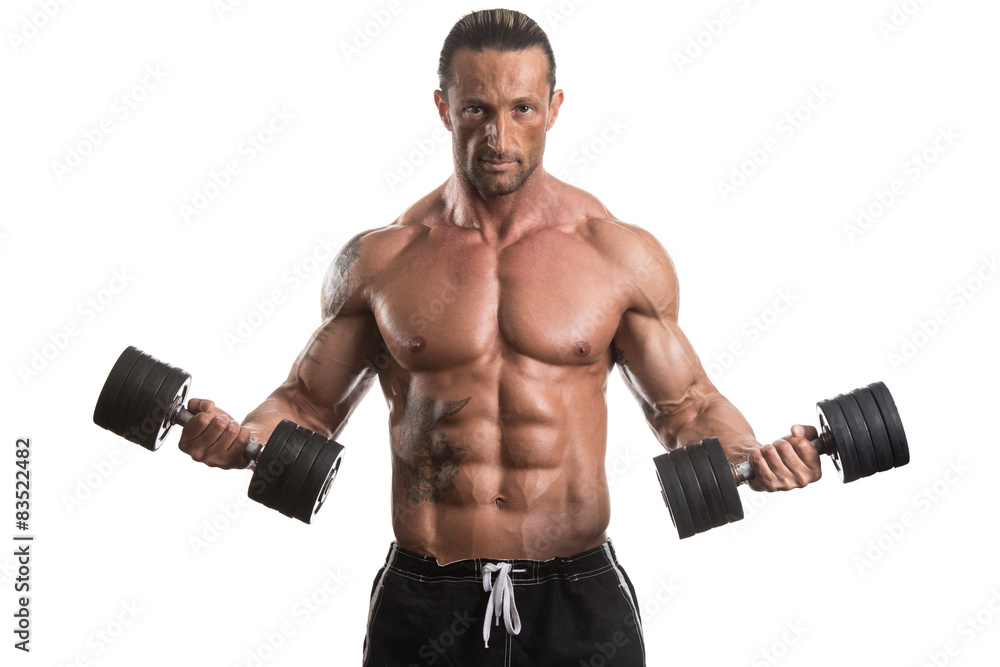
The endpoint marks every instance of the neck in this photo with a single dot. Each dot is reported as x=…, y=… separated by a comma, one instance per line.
x=498, y=216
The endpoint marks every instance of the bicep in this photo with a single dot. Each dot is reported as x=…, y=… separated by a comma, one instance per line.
x=335, y=369
x=659, y=364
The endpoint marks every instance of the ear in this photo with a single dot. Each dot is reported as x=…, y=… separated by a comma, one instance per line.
x=441, y=102
x=554, y=105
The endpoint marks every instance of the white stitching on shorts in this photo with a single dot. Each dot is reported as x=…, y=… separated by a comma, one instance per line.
x=376, y=601
x=627, y=594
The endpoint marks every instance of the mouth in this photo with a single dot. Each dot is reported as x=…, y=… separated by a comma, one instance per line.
x=497, y=165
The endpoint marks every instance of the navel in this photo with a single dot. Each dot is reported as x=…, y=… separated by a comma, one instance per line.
x=416, y=344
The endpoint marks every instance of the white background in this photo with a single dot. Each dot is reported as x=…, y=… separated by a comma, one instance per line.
x=120, y=529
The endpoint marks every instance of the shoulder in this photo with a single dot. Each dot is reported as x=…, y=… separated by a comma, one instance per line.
x=366, y=254
x=383, y=244
x=596, y=223
x=374, y=248
x=646, y=271
x=627, y=245
x=650, y=279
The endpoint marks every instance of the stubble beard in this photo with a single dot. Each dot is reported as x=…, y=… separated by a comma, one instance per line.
x=490, y=184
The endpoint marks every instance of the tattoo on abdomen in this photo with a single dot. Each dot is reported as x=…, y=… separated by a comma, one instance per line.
x=429, y=462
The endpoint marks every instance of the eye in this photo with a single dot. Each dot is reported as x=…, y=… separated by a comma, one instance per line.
x=475, y=111
x=524, y=108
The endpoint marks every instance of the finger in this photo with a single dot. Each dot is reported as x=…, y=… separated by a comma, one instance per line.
x=778, y=457
x=200, y=444
x=806, y=451
x=764, y=478
x=197, y=405
x=805, y=431
x=218, y=453
x=800, y=459
x=194, y=434
x=810, y=456
x=239, y=446
x=800, y=439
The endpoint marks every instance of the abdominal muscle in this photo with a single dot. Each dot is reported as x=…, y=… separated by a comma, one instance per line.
x=568, y=519
x=465, y=486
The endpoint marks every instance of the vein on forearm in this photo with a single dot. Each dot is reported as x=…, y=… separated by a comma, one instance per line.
x=283, y=404
x=700, y=412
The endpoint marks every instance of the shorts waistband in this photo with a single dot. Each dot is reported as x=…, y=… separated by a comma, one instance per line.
x=523, y=570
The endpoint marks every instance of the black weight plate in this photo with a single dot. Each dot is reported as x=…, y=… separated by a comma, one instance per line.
x=670, y=487
x=893, y=424
x=129, y=394
x=137, y=426
x=859, y=431
x=845, y=457
x=324, y=492
x=285, y=461
x=298, y=472
x=724, y=475
x=709, y=485
x=876, y=428
x=262, y=481
x=696, y=500
x=321, y=475
x=112, y=386
x=152, y=428
x=175, y=389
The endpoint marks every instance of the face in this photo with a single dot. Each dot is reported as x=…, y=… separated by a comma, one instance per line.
x=498, y=112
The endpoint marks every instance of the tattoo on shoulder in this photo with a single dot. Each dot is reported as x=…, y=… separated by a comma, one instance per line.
x=340, y=279
x=429, y=462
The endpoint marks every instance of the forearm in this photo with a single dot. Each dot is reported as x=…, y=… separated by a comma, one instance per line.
x=326, y=382
x=703, y=413
x=286, y=403
x=719, y=418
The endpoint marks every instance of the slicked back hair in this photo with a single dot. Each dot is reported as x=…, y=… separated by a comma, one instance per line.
x=497, y=29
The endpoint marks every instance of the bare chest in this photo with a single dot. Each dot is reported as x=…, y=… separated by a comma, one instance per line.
x=453, y=301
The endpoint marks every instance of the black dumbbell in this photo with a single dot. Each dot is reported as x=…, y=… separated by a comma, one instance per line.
x=143, y=397
x=861, y=431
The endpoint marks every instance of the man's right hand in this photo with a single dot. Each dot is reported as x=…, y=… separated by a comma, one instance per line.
x=213, y=437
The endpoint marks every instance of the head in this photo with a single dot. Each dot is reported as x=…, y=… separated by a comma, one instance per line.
x=497, y=97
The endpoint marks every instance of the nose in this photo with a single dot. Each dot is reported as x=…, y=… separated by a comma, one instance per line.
x=499, y=135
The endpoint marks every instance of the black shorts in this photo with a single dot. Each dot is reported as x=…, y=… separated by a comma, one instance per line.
x=573, y=611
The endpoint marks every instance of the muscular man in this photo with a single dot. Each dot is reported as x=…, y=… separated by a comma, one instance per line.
x=497, y=415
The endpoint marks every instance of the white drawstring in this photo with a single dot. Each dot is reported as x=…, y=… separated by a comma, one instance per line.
x=501, y=600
